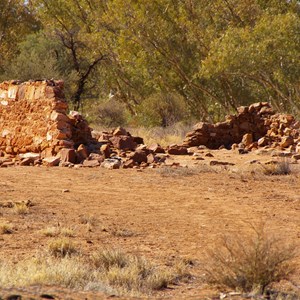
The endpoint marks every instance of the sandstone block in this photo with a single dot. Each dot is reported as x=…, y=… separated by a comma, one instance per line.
x=286, y=141
x=123, y=142
x=111, y=163
x=68, y=156
x=156, y=148
x=138, y=156
x=52, y=161
x=247, y=139
x=120, y=131
x=177, y=150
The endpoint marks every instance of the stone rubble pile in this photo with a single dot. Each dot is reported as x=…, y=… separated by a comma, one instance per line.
x=254, y=126
x=35, y=129
x=33, y=118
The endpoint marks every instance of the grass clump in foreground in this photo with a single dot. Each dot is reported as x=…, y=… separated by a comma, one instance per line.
x=62, y=247
x=184, y=171
x=250, y=263
x=109, y=271
x=5, y=228
x=21, y=208
x=283, y=167
x=130, y=272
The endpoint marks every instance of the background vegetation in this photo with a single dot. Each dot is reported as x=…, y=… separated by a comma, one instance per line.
x=156, y=62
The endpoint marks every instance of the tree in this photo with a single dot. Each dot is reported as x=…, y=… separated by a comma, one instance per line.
x=16, y=21
x=77, y=25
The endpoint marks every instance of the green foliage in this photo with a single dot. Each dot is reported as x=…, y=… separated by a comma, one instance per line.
x=162, y=110
x=216, y=55
x=17, y=19
x=110, y=114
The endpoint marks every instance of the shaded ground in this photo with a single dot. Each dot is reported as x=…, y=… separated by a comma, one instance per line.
x=171, y=216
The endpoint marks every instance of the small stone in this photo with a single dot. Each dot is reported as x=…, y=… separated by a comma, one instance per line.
x=67, y=156
x=26, y=162
x=111, y=163
x=128, y=164
x=286, y=141
x=263, y=141
x=138, y=156
x=91, y=163
x=65, y=191
x=105, y=150
x=177, y=150
x=247, y=139
x=82, y=152
x=52, y=161
x=209, y=154
x=156, y=148
x=120, y=131
x=123, y=142
x=220, y=163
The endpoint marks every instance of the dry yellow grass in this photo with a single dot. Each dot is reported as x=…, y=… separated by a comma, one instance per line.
x=67, y=232
x=62, y=247
x=56, y=231
x=250, y=263
x=50, y=231
x=107, y=270
x=163, y=136
x=21, y=208
x=6, y=228
x=130, y=272
x=66, y=272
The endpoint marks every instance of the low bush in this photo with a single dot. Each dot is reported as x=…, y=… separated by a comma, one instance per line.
x=62, y=247
x=250, y=262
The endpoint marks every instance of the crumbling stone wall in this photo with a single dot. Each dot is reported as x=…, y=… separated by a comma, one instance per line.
x=255, y=125
x=33, y=118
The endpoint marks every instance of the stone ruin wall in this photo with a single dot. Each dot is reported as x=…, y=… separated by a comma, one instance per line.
x=33, y=118
x=257, y=125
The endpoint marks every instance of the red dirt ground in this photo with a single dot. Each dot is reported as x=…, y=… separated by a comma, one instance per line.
x=172, y=216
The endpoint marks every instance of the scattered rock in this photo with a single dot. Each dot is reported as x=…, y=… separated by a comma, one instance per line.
x=247, y=139
x=82, y=152
x=120, y=131
x=68, y=156
x=156, y=148
x=111, y=163
x=105, y=150
x=286, y=141
x=91, y=163
x=177, y=150
x=123, y=142
x=209, y=154
x=138, y=156
x=220, y=163
x=52, y=161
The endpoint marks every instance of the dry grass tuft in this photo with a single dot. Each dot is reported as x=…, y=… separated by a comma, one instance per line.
x=70, y=272
x=130, y=272
x=185, y=172
x=250, y=263
x=164, y=136
x=50, y=231
x=121, y=232
x=110, y=271
x=67, y=232
x=62, y=247
x=182, y=271
x=107, y=259
x=6, y=228
x=21, y=208
x=88, y=220
x=56, y=231
x=283, y=167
